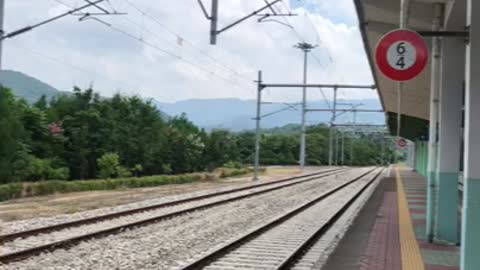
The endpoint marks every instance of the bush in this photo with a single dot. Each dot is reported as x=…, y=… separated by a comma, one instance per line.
x=10, y=191
x=137, y=170
x=233, y=165
x=60, y=173
x=167, y=168
x=123, y=172
x=108, y=164
x=42, y=169
x=224, y=173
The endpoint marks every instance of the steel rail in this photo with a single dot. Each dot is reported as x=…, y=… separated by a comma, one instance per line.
x=224, y=249
x=301, y=249
x=31, y=232
x=66, y=243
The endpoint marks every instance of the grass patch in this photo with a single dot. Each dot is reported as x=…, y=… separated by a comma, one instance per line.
x=18, y=190
x=225, y=172
x=10, y=191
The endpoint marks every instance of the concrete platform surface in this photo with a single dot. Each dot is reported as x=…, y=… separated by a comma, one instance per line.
x=389, y=233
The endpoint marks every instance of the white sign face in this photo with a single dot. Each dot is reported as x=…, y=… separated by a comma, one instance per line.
x=401, y=55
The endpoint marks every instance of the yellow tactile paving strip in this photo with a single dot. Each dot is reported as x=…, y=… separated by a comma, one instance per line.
x=411, y=256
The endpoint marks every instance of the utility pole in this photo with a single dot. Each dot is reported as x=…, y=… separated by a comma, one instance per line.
x=257, y=129
x=337, y=148
x=261, y=86
x=353, y=137
x=214, y=22
x=213, y=17
x=343, y=148
x=2, y=13
x=332, y=121
x=306, y=48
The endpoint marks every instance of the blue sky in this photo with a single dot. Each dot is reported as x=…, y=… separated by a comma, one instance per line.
x=68, y=53
x=342, y=15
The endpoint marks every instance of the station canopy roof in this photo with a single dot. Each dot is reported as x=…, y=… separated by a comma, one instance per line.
x=378, y=17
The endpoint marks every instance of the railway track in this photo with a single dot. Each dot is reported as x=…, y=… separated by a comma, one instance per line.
x=86, y=228
x=282, y=242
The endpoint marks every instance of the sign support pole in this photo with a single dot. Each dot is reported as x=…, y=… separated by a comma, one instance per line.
x=343, y=148
x=214, y=22
x=332, y=121
x=403, y=24
x=2, y=11
x=354, y=135
x=257, y=129
x=432, y=140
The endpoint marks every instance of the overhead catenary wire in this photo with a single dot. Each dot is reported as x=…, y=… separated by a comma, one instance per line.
x=144, y=29
x=156, y=47
x=178, y=57
x=65, y=4
x=301, y=38
x=190, y=43
x=171, y=43
x=325, y=98
x=318, y=36
x=277, y=111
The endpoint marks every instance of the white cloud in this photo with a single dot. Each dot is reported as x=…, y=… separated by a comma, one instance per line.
x=136, y=68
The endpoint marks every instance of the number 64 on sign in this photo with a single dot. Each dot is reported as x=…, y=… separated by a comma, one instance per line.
x=401, y=55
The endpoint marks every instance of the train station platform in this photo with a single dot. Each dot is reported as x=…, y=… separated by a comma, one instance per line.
x=389, y=232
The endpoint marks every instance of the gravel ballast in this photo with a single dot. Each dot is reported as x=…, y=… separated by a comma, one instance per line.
x=21, y=225
x=170, y=243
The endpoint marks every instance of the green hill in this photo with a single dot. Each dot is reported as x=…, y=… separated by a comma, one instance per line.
x=25, y=86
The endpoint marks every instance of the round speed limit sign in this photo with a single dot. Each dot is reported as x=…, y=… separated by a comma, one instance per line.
x=402, y=143
x=401, y=55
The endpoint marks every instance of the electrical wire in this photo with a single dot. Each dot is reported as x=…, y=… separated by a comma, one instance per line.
x=63, y=3
x=193, y=45
x=312, y=53
x=178, y=57
x=154, y=46
x=155, y=35
x=325, y=99
x=318, y=37
x=162, y=39
x=299, y=36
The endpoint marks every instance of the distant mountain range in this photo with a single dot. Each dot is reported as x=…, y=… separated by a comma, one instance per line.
x=232, y=114
x=25, y=86
x=236, y=114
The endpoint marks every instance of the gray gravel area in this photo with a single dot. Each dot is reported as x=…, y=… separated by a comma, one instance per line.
x=20, y=244
x=270, y=248
x=318, y=254
x=170, y=243
x=21, y=225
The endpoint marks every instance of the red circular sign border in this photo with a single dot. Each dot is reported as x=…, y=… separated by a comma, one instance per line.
x=393, y=36
x=401, y=142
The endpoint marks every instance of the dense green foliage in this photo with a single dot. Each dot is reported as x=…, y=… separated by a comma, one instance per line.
x=85, y=136
x=18, y=190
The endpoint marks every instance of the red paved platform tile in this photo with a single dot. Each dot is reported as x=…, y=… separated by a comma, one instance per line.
x=417, y=211
x=416, y=222
x=426, y=245
x=383, y=250
x=438, y=267
x=417, y=203
x=415, y=193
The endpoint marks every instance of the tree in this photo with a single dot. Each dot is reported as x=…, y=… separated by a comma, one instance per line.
x=109, y=166
x=84, y=136
x=43, y=169
x=13, y=150
x=220, y=148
